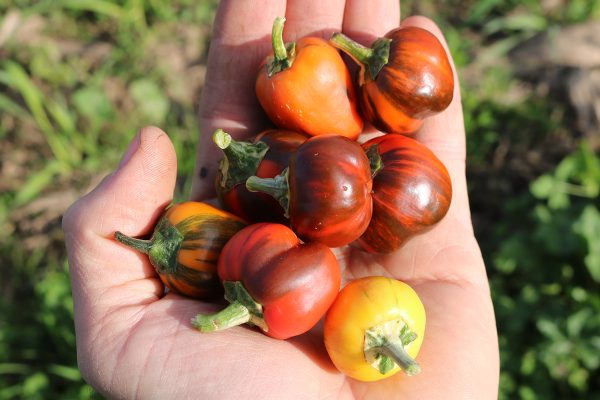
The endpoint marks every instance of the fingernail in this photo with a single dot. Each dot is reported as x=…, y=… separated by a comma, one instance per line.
x=133, y=146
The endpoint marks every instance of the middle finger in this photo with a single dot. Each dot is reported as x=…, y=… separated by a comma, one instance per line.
x=313, y=17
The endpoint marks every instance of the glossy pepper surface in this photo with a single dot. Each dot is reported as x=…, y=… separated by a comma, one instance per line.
x=405, y=77
x=274, y=281
x=266, y=155
x=305, y=86
x=412, y=192
x=375, y=328
x=326, y=190
x=185, y=247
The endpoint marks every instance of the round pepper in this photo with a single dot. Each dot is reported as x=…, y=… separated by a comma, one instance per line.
x=326, y=190
x=412, y=191
x=374, y=328
x=306, y=87
x=274, y=281
x=265, y=155
x=405, y=77
x=185, y=246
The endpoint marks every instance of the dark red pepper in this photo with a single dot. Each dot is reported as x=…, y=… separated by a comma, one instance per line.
x=412, y=191
x=266, y=155
x=274, y=281
x=326, y=190
x=405, y=77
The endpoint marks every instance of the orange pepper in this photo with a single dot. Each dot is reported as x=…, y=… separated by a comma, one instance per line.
x=306, y=87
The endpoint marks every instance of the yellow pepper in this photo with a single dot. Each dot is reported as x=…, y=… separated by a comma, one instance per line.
x=375, y=328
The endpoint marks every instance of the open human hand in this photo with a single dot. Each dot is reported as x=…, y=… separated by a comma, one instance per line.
x=133, y=342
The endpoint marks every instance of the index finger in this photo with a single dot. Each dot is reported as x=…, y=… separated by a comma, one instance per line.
x=241, y=38
x=366, y=20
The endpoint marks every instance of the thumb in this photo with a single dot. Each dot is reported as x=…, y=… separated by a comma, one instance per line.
x=104, y=273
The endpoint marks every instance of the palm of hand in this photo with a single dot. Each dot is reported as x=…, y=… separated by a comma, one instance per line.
x=146, y=347
x=134, y=343
x=150, y=350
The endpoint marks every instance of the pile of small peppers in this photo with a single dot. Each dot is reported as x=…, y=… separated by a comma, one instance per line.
x=292, y=193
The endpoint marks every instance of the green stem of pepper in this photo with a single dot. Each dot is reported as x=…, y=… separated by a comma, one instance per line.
x=277, y=187
x=371, y=59
x=279, y=50
x=162, y=248
x=283, y=54
x=232, y=315
x=385, y=347
x=143, y=246
x=395, y=350
x=375, y=161
x=241, y=309
x=241, y=159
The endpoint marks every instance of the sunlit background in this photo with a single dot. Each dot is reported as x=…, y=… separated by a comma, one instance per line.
x=79, y=77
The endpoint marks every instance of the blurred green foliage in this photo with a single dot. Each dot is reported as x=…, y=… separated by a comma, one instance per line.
x=545, y=279
x=57, y=106
x=66, y=118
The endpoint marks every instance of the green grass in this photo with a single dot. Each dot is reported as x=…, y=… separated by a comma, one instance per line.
x=74, y=89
